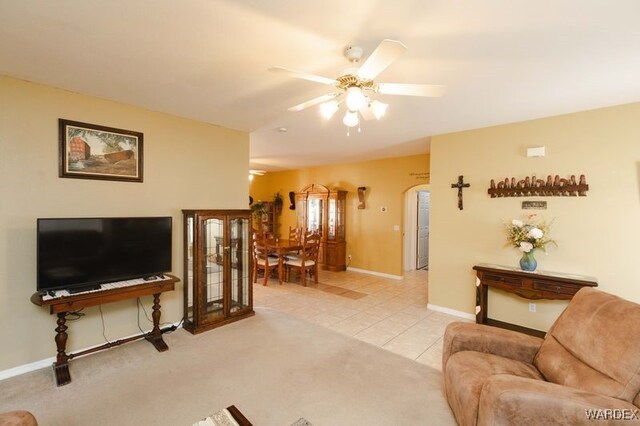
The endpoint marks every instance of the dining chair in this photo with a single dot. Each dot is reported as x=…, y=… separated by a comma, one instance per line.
x=308, y=260
x=308, y=233
x=260, y=237
x=262, y=260
x=295, y=234
x=302, y=236
x=261, y=234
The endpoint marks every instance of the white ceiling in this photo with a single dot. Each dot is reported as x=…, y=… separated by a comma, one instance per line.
x=503, y=61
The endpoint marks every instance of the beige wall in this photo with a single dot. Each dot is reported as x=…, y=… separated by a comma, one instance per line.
x=187, y=164
x=597, y=235
x=370, y=235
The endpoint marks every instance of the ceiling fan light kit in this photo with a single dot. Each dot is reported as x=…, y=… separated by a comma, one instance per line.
x=379, y=109
x=358, y=83
x=327, y=109
x=351, y=119
x=356, y=100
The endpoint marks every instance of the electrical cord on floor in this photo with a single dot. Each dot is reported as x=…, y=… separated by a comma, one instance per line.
x=172, y=327
x=104, y=334
x=139, y=303
x=138, y=316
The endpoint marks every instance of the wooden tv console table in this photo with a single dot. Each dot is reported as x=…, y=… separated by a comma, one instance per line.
x=64, y=304
x=529, y=285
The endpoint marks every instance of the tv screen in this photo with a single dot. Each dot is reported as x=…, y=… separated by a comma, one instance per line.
x=82, y=252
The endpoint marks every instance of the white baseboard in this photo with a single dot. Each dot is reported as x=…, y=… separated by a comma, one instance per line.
x=47, y=362
x=21, y=369
x=378, y=274
x=450, y=311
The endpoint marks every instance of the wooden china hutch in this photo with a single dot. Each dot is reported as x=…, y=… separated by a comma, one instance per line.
x=321, y=209
x=265, y=220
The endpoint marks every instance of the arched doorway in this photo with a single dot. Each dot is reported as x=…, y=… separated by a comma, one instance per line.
x=416, y=227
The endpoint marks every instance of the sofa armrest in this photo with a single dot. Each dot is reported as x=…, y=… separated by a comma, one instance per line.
x=17, y=418
x=462, y=336
x=507, y=399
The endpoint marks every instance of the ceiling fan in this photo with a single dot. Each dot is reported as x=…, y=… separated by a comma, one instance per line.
x=357, y=84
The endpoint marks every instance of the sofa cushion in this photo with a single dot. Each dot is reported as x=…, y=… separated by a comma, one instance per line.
x=509, y=400
x=594, y=346
x=467, y=371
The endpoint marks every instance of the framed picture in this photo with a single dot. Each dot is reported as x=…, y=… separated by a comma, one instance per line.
x=89, y=151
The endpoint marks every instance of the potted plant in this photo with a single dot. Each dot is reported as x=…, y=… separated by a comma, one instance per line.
x=259, y=210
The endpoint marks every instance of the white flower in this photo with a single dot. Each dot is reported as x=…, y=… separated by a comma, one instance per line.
x=526, y=246
x=517, y=223
x=535, y=233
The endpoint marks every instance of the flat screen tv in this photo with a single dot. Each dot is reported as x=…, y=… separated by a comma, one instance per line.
x=81, y=253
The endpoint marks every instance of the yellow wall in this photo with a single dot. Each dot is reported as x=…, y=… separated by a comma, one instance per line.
x=187, y=164
x=370, y=235
x=597, y=235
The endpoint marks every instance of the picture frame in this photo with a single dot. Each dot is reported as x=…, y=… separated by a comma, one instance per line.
x=91, y=151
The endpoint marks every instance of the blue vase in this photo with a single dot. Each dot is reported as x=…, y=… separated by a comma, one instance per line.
x=528, y=262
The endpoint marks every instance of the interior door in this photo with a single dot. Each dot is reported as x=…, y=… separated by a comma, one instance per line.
x=422, y=245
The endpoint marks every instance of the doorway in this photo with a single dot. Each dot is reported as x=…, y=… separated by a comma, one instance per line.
x=411, y=237
x=422, y=231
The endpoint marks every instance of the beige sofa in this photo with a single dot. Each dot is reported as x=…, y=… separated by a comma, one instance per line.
x=585, y=371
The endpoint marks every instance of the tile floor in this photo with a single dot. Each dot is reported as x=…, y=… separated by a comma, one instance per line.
x=385, y=312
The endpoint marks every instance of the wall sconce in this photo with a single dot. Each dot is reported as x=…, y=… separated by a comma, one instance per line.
x=361, y=190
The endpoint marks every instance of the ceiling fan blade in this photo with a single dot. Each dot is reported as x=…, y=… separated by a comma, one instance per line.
x=430, y=90
x=314, y=101
x=386, y=52
x=304, y=75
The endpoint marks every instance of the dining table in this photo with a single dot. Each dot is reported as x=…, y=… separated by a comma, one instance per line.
x=281, y=247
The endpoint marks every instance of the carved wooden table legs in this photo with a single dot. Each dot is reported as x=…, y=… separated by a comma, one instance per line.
x=155, y=337
x=61, y=366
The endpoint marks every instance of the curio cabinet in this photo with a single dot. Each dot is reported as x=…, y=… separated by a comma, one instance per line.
x=217, y=265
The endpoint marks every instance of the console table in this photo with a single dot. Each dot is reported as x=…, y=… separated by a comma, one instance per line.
x=64, y=304
x=529, y=285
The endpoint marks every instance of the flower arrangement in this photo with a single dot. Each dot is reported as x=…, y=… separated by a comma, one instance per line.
x=529, y=235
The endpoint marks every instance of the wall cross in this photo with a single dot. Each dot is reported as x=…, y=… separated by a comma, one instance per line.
x=460, y=184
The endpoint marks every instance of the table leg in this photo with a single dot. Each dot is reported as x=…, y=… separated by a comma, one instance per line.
x=280, y=266
x=61, y=366
x=155, y=337
x=481, y=304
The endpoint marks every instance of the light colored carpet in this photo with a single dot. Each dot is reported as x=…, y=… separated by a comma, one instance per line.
x=273, y=367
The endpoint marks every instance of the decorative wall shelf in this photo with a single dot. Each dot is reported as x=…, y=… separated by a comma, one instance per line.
x=532, y=187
